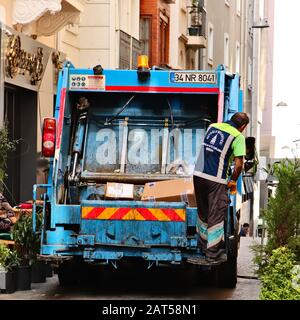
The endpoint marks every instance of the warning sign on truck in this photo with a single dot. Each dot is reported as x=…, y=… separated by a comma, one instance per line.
x=87, y=82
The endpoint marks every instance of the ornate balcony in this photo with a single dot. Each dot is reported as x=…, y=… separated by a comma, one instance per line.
x=196, y=35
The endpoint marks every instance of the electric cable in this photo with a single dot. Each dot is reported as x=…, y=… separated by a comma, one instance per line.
x=118, y=113
x=171, y=112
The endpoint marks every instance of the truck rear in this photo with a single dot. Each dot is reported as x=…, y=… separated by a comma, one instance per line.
x=124, y=129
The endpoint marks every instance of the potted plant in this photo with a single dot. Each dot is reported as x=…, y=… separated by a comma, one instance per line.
x=49, y=270
x=28, y=247
x=6, y=145
x=38, y=267
x=9, y=262
x=24, y=239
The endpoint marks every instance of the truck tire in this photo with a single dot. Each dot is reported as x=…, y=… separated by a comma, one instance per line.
x=227, y=273
x=67, y=274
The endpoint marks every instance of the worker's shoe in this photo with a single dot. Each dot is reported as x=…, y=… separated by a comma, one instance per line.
x=201, y=261
x=208, y=261
x=218, y=260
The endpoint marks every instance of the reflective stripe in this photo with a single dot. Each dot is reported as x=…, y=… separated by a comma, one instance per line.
x=222, y=156
x=209, y=177
x=215, y=234
x=202, y=229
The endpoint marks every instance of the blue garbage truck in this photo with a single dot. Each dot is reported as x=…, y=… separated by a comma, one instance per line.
x=128, y=128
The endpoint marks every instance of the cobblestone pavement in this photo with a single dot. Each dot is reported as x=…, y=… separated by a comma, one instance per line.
x=161, y=284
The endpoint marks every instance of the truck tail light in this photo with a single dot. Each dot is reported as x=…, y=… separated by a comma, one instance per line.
x=49, y=132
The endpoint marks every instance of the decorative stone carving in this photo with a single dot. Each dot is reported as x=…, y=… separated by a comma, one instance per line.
x=50, y=24
x=28, y=11
x=43, y=17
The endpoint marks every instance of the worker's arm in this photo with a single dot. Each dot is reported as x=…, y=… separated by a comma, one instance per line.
x=238, y=167
x=239, y=150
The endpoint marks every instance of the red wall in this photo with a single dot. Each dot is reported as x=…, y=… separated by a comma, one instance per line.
x=152, y=8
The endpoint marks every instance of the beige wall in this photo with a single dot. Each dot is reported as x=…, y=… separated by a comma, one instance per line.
x=224, y=19
x=6, y=7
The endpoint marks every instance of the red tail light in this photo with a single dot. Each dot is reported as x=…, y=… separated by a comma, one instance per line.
x=49, y=131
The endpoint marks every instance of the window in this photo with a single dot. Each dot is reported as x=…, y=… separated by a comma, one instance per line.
x=237, y=57
x=210, y=44
x=226, y=49
x=249, y=74
x=238, y=7
x=145, y=35
x=164, y=40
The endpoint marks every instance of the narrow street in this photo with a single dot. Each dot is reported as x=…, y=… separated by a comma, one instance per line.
x=159, y=284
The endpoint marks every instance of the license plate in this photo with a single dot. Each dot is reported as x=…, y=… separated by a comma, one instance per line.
x=193, y=77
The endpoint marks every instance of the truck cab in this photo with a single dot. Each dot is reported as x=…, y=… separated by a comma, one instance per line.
x=130, y=128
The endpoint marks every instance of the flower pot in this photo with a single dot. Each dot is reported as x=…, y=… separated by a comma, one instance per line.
x=38, y=272
x=193, y=31
x=24, y=278
x=49, y=270
x=7, y=281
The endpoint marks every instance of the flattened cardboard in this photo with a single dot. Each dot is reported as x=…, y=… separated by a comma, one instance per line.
x=178, y=190
x=119, y=191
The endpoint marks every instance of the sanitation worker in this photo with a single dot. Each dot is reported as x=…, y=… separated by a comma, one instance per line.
x=223, y=143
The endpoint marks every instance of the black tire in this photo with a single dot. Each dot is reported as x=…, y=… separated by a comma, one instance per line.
x=67, y=274
x=205, y=278
x=227, y=273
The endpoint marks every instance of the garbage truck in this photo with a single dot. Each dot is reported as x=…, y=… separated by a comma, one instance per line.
x=114, y=134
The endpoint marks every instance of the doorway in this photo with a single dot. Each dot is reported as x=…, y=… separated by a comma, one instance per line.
x=20, y=113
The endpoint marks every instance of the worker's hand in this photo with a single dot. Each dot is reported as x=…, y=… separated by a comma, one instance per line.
x=232, y=186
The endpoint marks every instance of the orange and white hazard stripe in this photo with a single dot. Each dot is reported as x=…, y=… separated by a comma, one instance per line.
x=139, y=214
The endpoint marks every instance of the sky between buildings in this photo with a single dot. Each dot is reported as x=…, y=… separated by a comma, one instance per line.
x=286, y=121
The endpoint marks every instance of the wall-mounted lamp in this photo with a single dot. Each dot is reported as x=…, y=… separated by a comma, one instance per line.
x=281, y=104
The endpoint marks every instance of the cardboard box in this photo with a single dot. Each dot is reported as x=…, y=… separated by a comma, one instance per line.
x=178, y=190
x=119, y=191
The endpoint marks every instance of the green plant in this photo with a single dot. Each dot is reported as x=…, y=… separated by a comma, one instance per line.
x=260, y=259
x=277, y=278
x=6, y=145
x=194, y=6
x=282, y=216
x=9, y=259
x=195, y=3
x=294, y=245
x=27, y=243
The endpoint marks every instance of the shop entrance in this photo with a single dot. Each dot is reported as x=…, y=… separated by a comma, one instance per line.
x=20, y=110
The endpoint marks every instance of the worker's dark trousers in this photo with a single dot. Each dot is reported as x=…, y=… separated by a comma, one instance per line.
x=212, y=202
